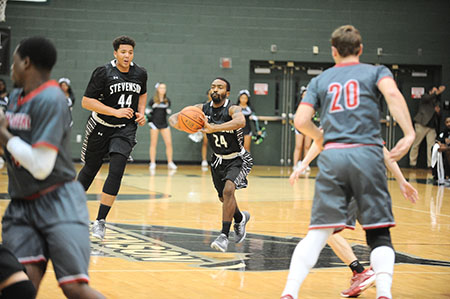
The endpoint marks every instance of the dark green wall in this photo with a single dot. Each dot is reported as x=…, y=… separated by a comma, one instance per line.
x=180, y=42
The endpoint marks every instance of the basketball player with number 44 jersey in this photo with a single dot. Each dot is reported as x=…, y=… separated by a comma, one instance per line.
x=352, y=162
x=116, y=95
x=230, y=163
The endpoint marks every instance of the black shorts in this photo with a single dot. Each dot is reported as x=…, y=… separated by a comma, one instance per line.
x=158, y=125
x=8, y=264
x=235, y=170
x=100, y=140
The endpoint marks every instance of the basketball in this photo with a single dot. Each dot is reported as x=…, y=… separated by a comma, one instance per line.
x=191, y=119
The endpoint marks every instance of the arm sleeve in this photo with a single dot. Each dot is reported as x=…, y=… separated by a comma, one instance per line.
x=39, y=161
x=383, y=73
x=144, y=84
x=96, y=84
x=312, y=98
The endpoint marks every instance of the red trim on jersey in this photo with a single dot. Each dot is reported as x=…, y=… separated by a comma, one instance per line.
x=32, y=260
x=45, y=144
x=346, y=64
x=331, y=145
x=385, y=77
x=378, y=226
x=308, y=104
x=36, y=91
x=43, y=192
x=76, y=278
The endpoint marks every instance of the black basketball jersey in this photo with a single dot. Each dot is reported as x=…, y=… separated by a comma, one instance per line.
x=224, y=142
x=116, y=89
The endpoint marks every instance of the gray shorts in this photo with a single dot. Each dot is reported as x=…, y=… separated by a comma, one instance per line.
x=54, y=226
x=351, y=184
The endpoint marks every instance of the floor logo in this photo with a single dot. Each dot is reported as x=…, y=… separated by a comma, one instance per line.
x=183, y=245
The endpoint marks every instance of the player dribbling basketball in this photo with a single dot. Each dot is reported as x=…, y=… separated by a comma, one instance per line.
x=230, y=163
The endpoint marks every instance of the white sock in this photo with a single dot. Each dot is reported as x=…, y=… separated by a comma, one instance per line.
x=304, y=258
x=382, y=260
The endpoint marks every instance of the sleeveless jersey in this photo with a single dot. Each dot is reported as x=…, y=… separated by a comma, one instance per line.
x=117, y=90
x=42, y=117
x=349, y=100
x=224, y=142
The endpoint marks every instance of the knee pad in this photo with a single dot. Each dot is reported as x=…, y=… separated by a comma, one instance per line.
x=22, y=289
x=116, y=170
x=378, y=237
x=88, y=173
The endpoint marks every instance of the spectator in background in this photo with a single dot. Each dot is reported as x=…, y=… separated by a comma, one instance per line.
x=157, y=110
x=302, y=142
x=3, y=90
x=426, y=123
x=64, y=83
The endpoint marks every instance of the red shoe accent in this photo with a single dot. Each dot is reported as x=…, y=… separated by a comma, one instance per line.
x=287, y=297
x=359, y=283
x=383, y=297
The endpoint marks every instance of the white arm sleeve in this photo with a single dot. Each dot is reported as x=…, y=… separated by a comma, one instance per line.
x=39, y=161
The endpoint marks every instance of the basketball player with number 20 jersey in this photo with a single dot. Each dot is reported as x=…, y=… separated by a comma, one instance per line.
x=352, y=162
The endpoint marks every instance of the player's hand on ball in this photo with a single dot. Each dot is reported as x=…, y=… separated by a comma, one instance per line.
x=208, y=128
x=124, y=113
x=140, y=119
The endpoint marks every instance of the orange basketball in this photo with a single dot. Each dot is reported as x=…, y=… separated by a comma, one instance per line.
x=191, y=119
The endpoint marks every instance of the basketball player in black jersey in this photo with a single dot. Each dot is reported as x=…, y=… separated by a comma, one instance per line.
x=230, y=163
x=116, y=95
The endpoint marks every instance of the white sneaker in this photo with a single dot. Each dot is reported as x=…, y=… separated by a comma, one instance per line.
x=152, y=166
x=171, y=165
x=204, y=163
x=98, y=229
x=308, y=169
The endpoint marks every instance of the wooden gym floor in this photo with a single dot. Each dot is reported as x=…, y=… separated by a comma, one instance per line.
x=161, y=225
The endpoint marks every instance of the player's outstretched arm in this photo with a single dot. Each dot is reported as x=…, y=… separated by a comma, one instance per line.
x=97, y=106
x=304, y=124
x=312, y=153
x=408, y=191
x=399, y=110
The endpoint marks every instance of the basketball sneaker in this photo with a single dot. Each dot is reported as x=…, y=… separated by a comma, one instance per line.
x=171, y=166
x=98, y=229
x=204, y=163
x=287, y=297
x=360, y=282
x=220, y=243
x=152, y=166
x=239, y=228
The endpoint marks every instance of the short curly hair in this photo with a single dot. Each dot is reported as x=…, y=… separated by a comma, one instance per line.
x=123, y=40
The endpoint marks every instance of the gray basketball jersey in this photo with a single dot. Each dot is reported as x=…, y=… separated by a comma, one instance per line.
x=42, y=117
x=349, y=100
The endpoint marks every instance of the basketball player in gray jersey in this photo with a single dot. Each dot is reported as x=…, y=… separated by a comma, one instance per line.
x=230, y=163
x=347, y=97
x=47, y=217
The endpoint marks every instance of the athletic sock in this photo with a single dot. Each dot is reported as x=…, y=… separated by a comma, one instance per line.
x=304, y=258
x=237, y=215
x=382, y=260
x=226, y=227
x=103, y=211
x=356, y=266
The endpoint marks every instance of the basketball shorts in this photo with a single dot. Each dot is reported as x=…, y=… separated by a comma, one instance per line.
x=351, y=174
x=54, y=226
x=247, y=130
x=101, y=140
x=235, y=170
x=8, y=264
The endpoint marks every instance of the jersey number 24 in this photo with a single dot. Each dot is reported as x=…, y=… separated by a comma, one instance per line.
x=350, y=93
